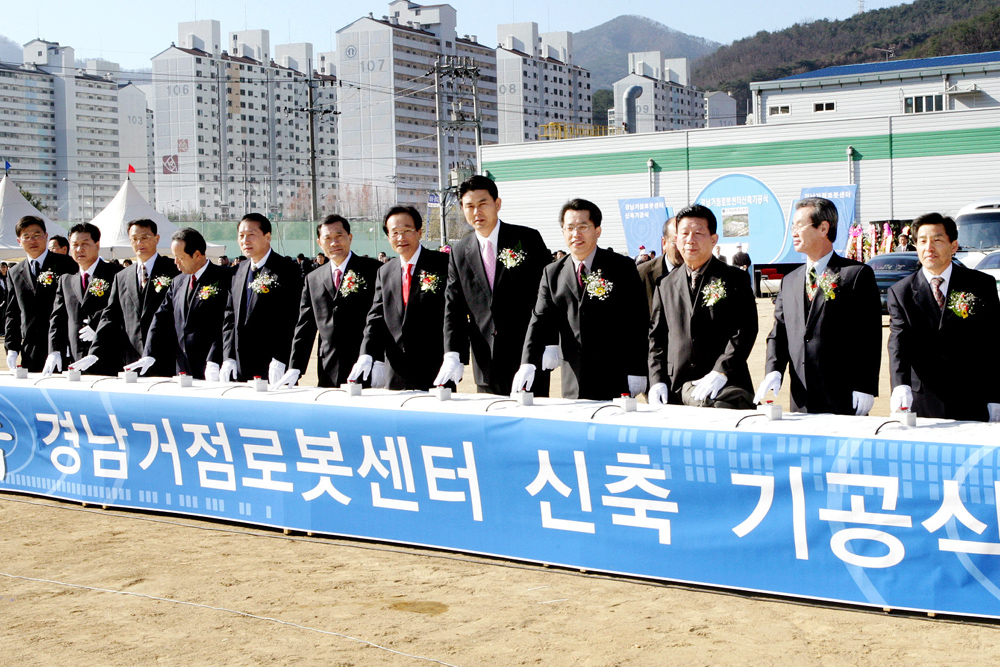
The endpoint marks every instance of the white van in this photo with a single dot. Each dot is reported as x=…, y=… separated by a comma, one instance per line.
x=978, y=230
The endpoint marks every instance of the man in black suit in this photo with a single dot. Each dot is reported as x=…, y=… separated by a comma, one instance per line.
x=590, y=305
x=335, y=302
x=186, y=330
x=262, y=307
x=827, y=311
x=741, y=260
x=704, y=322
x=135, y=297
x=493, y=276
x=31, y=291
x=651, y=272
x=80, y=302
x=405, y=326
x=942, y=332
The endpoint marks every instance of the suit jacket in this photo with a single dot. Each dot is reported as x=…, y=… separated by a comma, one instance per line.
x=650, y=273
x=186, y=330
x=816, y=338
x=256, y=331
x=29, y=308
x=339, y=316
x=411, y=340
x=948, y=361
x=493, y=321
x=689, y=338
x=602, y=341
x=126, y=320
x=73, y=309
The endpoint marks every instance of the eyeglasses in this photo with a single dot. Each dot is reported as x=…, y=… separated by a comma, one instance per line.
x=573, y=229
x=401, y=233
x=799, y=226
x=141, y=239
x=32, y=237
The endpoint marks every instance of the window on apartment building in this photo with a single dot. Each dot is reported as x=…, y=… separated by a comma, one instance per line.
x=819, y=107
x=781, y=110
x=923, y=104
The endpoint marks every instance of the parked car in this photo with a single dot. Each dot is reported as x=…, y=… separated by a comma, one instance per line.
x=991, y=265
x=978, y=230
x=891, y=267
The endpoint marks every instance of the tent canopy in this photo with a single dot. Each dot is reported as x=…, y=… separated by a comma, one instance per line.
x=13, y=207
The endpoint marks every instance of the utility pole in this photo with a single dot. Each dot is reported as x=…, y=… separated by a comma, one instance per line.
x=312, y=108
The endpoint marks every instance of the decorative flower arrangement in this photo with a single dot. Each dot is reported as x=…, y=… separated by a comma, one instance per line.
x=445, y=248
x=98, y=286
x=713, y=292
x=962, y=303
x=208, y=291
x=46, y=278
x=351, y=283
x=828, y=282
x=263, y=283
x=161, y=283
x=429, y=282
x=511, y=257
x=597, y=286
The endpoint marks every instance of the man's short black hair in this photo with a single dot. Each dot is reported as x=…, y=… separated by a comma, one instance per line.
x=262, y=222
x=332, y=220
x=142, y=222
x=582, y=205
x=192, y=239
x=699, y=211
x=821, y=209
x=478, y=182
x=86, y=228
x=61, y=241
x=28, y=221
x=396, y=210
x=950, y=228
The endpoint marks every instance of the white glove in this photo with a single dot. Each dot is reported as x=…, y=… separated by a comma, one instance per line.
x=708, y=386
x=771, y=382
x=902, y=397
x=362, y=367
x=275, y=370
x=53, y=363
x=87, y=335
x=550, y=357
x=289, y=379
x=451, y=369
x=379, y=381
x=523, y=378
x=994, y=409
x=657, y=394
x=12, y=360
x=863, y=403
x=84, y=363
x=142, y=365
x=228, y=371
x=212, y=372
x=636, y=384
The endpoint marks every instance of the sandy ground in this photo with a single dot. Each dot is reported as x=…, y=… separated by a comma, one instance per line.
x=85, y=586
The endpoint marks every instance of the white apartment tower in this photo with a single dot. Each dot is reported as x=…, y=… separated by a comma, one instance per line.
x=537, y=82
x=232, y=127
x=387, y=101
x=656, y=96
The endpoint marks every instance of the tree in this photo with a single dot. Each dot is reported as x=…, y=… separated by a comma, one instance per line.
x=34, y=200
x=602, y=101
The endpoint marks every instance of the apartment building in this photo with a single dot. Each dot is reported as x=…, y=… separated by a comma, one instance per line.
x=656, y=96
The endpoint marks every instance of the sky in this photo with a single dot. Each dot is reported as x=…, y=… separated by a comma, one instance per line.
x=130, y=33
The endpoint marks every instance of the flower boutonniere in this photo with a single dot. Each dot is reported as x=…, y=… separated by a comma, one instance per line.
x=351, y=283
x=263, y=283
x=208, y=291
x=429, y=282
x=97, y=286
x=829, y=282
x=161, y=283
x=511, y=257
x=597, y=286
x=713, y=292
x=962, y=304
x=46, y=278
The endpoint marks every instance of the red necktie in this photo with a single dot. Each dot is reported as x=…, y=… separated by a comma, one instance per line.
x=337, y=275
x=85, y=276
x=406, y=285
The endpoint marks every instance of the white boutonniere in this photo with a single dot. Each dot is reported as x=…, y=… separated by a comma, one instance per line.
x=161, y=283
x=46, y=278
x=351, y=283
x=429, y=282
x=597, y=286
x=511, y=257
x=263, y=283
x=713, y=292
x=97, y=286
x=962, y=304
x=208, y=291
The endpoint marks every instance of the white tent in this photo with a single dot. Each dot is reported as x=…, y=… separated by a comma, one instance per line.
x=13, y=207
x=129, y=205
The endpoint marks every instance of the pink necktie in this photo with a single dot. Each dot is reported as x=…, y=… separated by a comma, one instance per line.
x=337, y=275
x=489, y=262
x=406, y=285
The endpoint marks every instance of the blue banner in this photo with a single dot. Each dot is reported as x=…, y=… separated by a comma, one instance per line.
x=881, y=521
x=843, y=197
x=643, y=221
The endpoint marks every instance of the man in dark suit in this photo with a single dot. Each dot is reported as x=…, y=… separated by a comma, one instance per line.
x=827, y=311
x=405, y=326
x=943, y=330
x=186, y=330
x=651, y=272
x=590, y=305
x=704, y=322
x=80, y=302
x=262, y=307
x=135, y=297
x=31, y=290
x=335, y=302
x=493, y=276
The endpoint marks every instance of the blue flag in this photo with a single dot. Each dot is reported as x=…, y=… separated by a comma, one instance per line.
x=6, y=166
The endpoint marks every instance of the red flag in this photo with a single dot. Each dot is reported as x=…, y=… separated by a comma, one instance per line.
x=131, y=169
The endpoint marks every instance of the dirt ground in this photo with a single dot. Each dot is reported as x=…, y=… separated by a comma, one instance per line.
x=86, y=586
